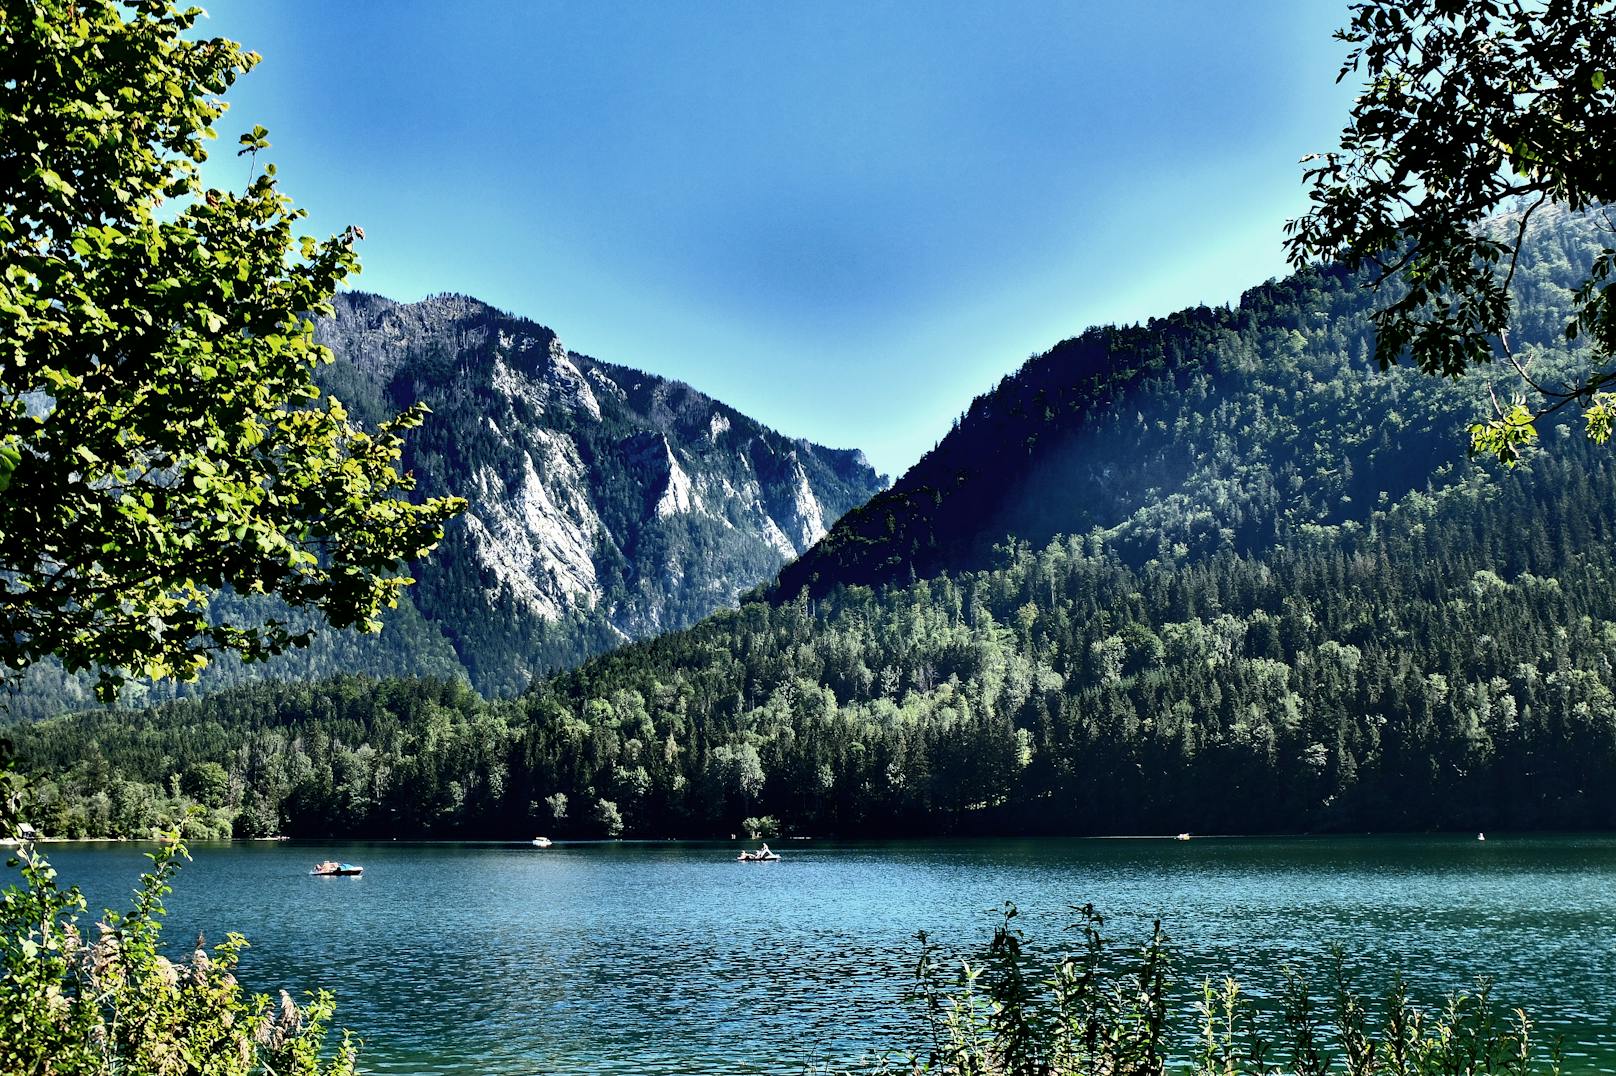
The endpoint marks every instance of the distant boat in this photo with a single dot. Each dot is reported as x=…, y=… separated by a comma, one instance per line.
x=1481, y=836
x=542, y=842
x=758, y=857
x=331, y=868
x=1183, y=836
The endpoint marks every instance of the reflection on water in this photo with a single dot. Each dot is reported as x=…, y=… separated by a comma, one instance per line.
x=673, y=958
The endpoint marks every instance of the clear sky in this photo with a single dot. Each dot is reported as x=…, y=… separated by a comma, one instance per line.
x=844, y=218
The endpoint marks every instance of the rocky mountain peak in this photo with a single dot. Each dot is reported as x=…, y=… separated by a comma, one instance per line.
x=604, y=502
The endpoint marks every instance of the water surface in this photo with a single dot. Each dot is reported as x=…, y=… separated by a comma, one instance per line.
x=661, y=958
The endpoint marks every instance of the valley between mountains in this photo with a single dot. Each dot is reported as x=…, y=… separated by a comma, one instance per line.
x=1213, y=571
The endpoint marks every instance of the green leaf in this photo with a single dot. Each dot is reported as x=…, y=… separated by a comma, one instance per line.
x=56, y=183
x=10, y=457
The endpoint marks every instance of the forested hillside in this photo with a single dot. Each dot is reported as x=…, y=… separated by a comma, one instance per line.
x=1446, y=664
x=1287, y=603
x=1213, y=428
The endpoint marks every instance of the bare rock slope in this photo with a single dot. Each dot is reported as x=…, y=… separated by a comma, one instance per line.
x=606, y=503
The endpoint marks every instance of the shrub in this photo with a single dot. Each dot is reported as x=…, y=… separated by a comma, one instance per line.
x=113, y=1003
x=1093, y=1012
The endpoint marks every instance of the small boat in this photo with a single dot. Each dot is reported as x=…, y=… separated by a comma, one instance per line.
x=542, y=842
x=1481, y=836
x=758, y=857
x=1183, y=836
x=331, y=868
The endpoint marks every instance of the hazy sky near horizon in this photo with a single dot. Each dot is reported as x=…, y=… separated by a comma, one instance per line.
x=845, y=219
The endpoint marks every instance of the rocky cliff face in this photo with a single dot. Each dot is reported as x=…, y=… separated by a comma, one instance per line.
x=605, y=503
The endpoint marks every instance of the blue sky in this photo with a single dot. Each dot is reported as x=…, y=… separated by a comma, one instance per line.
x=845, y=219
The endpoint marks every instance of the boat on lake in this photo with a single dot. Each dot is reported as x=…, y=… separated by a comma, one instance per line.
x=1183, y=836
x=542, y=842
x=331, y=868
x=758, y=857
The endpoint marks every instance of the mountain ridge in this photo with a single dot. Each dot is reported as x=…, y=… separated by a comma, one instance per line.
x=1037, y=455
x=601, y=495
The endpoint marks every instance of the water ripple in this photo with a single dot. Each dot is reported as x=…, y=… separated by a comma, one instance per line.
x=662, y=958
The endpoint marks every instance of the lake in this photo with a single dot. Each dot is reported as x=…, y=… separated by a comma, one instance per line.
x=669, y=957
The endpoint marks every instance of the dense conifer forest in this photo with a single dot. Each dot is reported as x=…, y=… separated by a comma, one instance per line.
x=1224, y=575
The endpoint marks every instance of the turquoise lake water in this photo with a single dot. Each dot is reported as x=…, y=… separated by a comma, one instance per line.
x=673, y=958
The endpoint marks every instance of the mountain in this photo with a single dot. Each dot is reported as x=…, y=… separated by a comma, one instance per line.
x=1214, y=572
x=1214, y=428
x=605, y=504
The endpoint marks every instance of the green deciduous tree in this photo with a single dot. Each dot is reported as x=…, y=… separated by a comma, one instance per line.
x=1474, y=115
x=161, y=435
x=205, y=782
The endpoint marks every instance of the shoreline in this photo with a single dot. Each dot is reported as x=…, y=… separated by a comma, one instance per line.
x=1466, y=836
x=12, y=842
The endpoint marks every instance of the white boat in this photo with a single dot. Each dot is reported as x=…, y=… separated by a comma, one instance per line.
x=542, y=842
x=1481, y=836
x=332, y=869
x=758, y=857
x=1183, y=836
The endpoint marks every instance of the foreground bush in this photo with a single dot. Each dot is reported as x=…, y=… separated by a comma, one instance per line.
x=1094, y=1012
x=114, y=1004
